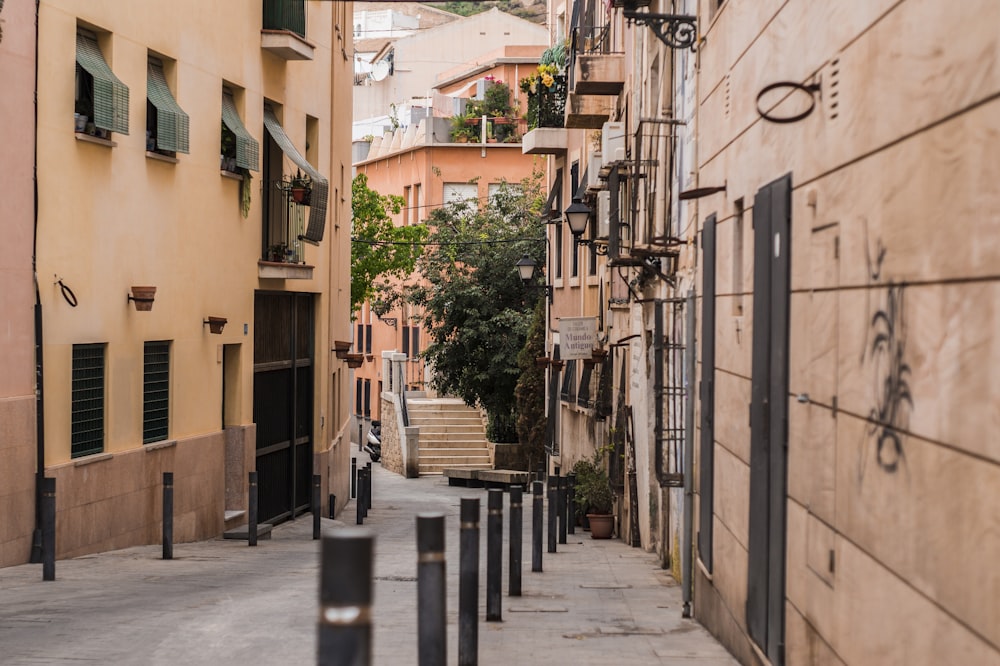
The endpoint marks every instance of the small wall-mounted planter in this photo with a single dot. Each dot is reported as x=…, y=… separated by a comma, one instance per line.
x=354, y=360
x=341, y=348
x=216, y=324
x=142, y=297
x=557, y=364
x=542, y=361
x=301, y=195
x=597, y=357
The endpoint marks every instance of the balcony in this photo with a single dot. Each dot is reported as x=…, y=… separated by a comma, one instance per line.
x=284, y=30
x=544, y=141
x=588, y=111
x=599, y=74
x=283, y=256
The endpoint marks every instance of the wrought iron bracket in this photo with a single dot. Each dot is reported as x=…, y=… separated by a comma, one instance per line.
x=676, y=31
x=600, y=249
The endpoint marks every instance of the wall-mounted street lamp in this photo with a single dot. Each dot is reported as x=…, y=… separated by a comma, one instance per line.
x=676, y=31
x=526, y=269
x=578, y=217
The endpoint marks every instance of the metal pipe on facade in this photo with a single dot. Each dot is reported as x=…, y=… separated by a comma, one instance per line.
x=345, y=598
x=514, y=542
x=432, y=634
x=354, y=478
x=561, y=495
x=168, y=515
x=48, y=528
x=468, y=583
x=494, y=555
x=687, y=543
x=571, y=503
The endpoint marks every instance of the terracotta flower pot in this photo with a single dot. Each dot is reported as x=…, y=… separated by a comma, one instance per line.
x=143, y=298
x=601, y=525
x=542, y=361
x=354, y=360
x=341, y=347
x=216, y=324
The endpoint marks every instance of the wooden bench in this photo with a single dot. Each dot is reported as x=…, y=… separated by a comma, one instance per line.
x=463, y=476
x=504, y=478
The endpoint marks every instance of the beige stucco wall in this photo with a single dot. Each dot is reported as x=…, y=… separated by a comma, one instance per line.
x=899, y=161
x=17, y=378
x=111, y=217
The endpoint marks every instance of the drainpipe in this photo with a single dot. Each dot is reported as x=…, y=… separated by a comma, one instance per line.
x=36, y=539
x=687, y=545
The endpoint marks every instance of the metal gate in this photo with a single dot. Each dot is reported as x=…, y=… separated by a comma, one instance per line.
x=769, y=418
x=283, y=402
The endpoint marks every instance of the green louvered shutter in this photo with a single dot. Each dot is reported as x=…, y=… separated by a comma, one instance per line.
x=110, y=94
x=247, y=148
x=320, y=185
x=171, y=121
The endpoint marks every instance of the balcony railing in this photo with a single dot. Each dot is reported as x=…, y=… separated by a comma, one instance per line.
x=284, y=224
x=285, y=15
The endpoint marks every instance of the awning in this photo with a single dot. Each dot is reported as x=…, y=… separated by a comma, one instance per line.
x=320, y=185
x=110, y=94
x=247, y=148
x=171, y=121
x=547, y=212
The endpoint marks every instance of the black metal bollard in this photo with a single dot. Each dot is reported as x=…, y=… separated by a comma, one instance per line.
x=354, y=478
x=168, y=515
x=562, y=509
x=537, y=508
x=333, y=506
x=552, y=493
x=432, y=626
x=317, y=486
x=345, y=598
x=368, y=487
x=514, y=542
x=252, y=510
x=571, y=502
x=359, y=502
x=48, y=528
x=468, y=584
x=494, y=554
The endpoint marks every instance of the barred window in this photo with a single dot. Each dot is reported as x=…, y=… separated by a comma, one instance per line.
x=87, y=417
x=155, y=392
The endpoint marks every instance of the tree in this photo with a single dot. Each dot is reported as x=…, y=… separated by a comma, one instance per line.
x=476, y=311
x=380, y=250
x=530, y=392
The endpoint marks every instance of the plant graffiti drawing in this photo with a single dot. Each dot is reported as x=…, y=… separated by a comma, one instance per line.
x=885, y=353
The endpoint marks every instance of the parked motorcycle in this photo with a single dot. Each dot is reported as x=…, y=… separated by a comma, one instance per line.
x=374, y=444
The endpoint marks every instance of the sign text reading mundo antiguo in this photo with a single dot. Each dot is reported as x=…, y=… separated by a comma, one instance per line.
x=577, y=337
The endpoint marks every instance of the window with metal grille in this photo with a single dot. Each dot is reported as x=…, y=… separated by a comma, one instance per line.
x=368, y=397
x=285, y=15
x=359, y=345
x=358, y=400
x=368, y=338
x=568, y=392
x=406, y=341
x=87, y=413
x=155, y=391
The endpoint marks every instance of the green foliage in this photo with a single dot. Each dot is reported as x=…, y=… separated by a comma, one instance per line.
x=593, y=488
x=379, y=249
x=476, y=312
x=529, y=393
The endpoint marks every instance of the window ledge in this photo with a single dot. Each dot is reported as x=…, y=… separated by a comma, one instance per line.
x=280, y=271
x=162, y=158
x=86, y=138
x=230, y=175
x=165, y=444
x=96, y=457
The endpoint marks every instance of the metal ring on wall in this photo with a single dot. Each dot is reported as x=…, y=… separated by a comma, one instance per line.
x=809, y=88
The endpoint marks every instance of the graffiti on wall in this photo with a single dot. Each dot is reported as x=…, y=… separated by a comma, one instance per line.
x=884, y=356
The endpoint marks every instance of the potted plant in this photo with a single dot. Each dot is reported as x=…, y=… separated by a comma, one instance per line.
x=301, y=187
x=594, y=497
x=276, y=253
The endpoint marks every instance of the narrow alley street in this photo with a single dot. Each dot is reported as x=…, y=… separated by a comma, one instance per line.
x=220, y=602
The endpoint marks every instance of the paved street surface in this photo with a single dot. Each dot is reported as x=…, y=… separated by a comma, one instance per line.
x=221, y=602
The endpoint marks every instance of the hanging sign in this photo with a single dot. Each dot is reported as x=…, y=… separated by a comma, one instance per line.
x=577, y=337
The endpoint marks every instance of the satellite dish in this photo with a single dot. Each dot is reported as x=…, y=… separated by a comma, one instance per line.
x=380, y=70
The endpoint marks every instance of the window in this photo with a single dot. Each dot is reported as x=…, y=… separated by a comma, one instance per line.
x=414, y=341
x=557, y=249
x=239, y=149
x=368, y=397
x=583, y=396
x=568, y=392
x=359, y=404
x=155, y=391
x=368, y=338
x=406, y=341
x=407, y=204
x=359, y=345
x=101, y=98
x=417, y=210
x=166, y=123
x=87, y=412
x=574, y=180
x=461, y=193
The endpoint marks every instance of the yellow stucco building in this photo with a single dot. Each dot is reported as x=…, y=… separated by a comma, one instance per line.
x=169, y=140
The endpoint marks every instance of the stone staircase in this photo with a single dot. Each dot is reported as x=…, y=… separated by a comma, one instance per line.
x=452, y=434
